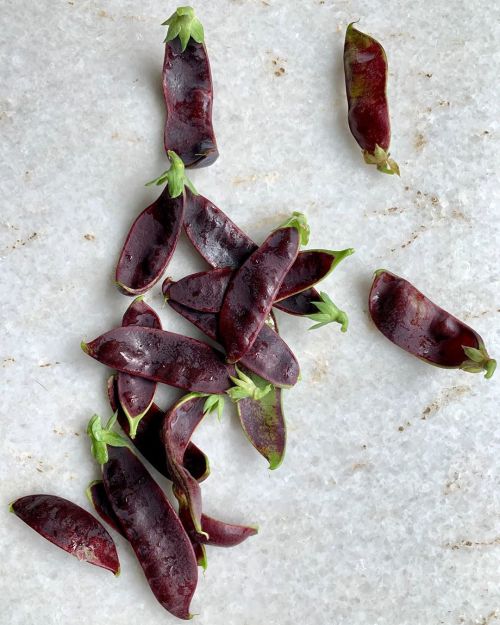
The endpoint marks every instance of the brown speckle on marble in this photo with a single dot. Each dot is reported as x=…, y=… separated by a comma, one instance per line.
x=89, y=237
x=420, y=141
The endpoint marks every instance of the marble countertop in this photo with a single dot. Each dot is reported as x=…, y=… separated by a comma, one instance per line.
x=386, y=510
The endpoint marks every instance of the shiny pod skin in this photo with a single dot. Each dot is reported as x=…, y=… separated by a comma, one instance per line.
x=188, y=93
x=136, y=394
x=223, y=244
x=411, y=321
x=264, y=424
x=365, y=69
x=269, y=357
x=150, y=243
x=148, y=439
x=154, y=530
x=70, y=527
x=162, y=356
x=252, y=290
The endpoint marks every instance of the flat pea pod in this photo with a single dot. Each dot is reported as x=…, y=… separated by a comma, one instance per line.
x=253, y=288
x=70, y=527
x=162, y=356
x=413, y=322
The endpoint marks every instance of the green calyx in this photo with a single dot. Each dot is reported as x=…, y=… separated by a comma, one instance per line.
x=175, y=177
x=102, y=437
x=212, y=403
x=299, y=221
x=478, y=361
x=185, y=25
x=245, y=387
x=382, y=160
x=328, y=312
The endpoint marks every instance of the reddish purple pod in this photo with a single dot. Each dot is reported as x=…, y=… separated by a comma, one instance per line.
x=136, y=394
x=148, y=439
x=269, y=357
x=162, y=356
x=205, y=291
x=69, y=527
x=365, y=68
x=253, y=288
x=223, y=244
x=410, y=320
x=188, y=91
x=152, y=239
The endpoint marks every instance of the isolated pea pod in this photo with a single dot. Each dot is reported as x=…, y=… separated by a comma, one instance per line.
x=365, y=68
x=69, y=527
x=252, y=289
x=410, y=320
x=148, y=439
x=136, y=394
x=223, y=244
x=269, y=357
x=162, y=356
x=147, y=520
x=188, y=91
x=153, y=236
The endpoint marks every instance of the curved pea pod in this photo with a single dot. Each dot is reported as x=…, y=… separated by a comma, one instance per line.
x=223, y=244
x=70, y=527
x=153, y=529
x=148, y=439
x=153, y=237
x=220, y=534
x=269, y=357
x=136, y=394
x=253, y=288
x=96, y=494
x=365, y=68
x=264, y=424
x=204, y=291
x=410, y=320
x=188, y=91
x=162, y=356
x=178, y=427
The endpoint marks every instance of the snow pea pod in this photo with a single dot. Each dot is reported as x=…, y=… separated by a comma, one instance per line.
x=365, y=68
x=253, y=288
x=153, y=236
x=188, y=91
x=153, y=529
x=148, y=439
x=204, y=291
x=413, y=322
x=223, y=244
x=269, y=357
x=69, y=527
x=162, y=356
x=264, y=424
x=136, y=394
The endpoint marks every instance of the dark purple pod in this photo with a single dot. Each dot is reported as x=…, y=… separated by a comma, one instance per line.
x=150, y=243
x=178, y=427
x=163, y=357
x=69, y=527
x=300, y=304
x=410, y=320
x=188, y=91
x=154, y=530
x=148, y=439
x=220, y=534
x=264, y=424
x=136, y=394
x=214, y=236
x=252, y=290
x=269, y=357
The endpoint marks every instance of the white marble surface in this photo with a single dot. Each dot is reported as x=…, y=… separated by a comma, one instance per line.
x=386, y=510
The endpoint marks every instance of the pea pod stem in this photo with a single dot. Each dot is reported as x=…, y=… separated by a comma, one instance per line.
x=184, y=24
x=175, y=177
x=328, y=313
